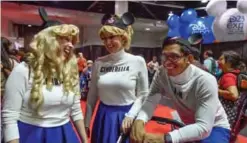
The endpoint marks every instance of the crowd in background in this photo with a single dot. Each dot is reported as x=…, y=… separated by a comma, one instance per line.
x=225, y=69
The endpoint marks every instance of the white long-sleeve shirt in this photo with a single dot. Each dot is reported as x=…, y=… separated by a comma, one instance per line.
x=194, y=94
x=56, y=109
x=118, y=79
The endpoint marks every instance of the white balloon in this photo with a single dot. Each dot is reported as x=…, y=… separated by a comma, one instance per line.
x=233, y=25
x=217, y=30
x=242, y=6
x=216, y=7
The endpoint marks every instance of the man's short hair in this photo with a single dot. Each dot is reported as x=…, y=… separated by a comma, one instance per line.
x=209, y=53
x=184, y=44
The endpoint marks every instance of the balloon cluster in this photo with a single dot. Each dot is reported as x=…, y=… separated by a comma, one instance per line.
x=188, y=23
x=220, y=25
x=229, y=24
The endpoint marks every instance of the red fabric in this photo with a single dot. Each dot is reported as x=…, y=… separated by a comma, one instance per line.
x=153, y=127
x=82, y=63
x=229, y=79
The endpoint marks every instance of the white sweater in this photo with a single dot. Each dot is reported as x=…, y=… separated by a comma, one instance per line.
x=118, y=79
x=55, y=111
x=194, y=94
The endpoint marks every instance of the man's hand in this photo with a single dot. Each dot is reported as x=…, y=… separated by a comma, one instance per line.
x=137, y=132
x=154, y=138
x=126, y=124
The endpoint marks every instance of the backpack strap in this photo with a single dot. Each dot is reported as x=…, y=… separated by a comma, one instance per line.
x=213, y=64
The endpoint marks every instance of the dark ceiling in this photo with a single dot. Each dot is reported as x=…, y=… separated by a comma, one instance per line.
x=152, y=10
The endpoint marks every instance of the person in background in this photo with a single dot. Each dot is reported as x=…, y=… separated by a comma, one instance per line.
x=7, y=61
x=89, y=72
x=154, y=62
x=230, y=63
x=194, y=94
x=42, y=94
x=88, y=69
x=119, y=81
x=7, y=65
x=243, y=66
x=209, y=62
x=194, y=58
x=82, y=63
x=17, y=44
x=151, y=73
x=85, y=79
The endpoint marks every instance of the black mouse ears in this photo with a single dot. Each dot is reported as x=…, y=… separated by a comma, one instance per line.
x=122, y=22
x=128, y=18
x=195, y=39
x=46, y=21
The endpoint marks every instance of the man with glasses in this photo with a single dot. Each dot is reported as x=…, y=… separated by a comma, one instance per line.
x=194, y=94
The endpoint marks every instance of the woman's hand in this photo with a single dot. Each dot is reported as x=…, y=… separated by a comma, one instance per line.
x=126, y=124
x=80, y=127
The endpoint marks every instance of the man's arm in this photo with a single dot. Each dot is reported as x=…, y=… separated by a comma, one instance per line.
x=146, y=112
x=206, y=108
x=152, y=99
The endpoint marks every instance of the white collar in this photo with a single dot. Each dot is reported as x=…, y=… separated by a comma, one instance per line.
x=184, y=77
x=118, y=55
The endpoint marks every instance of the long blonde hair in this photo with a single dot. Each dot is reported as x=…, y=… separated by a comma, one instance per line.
x=115, y=31
x=45, y=62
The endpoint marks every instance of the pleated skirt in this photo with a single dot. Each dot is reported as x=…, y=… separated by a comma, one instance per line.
x=35, y=134
x=107, y=123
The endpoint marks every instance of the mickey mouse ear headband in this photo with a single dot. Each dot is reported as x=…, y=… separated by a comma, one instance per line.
x=122, y=22
x=46, y=21
x=195, y=39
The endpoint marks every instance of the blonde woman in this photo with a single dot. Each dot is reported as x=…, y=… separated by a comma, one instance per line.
x=43, y=93
x=119, y=80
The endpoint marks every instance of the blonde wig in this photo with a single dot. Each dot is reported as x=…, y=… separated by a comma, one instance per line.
x=108, y=30
x=46, y=63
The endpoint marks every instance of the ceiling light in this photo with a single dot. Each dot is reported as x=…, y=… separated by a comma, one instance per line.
x=204, y=1
x=170, y=13
x=147, y=29
x=29, y=25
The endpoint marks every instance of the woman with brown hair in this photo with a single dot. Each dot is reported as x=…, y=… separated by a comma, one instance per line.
x=8, y=62
x=230, y=63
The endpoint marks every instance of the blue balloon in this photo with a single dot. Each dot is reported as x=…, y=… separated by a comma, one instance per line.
x=173, y=21
x=183, y=30
x=188, y=16
x=203, y=26
x=173, y=33
x=209, y=20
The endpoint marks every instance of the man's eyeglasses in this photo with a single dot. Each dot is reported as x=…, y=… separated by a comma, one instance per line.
x=172, y=57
